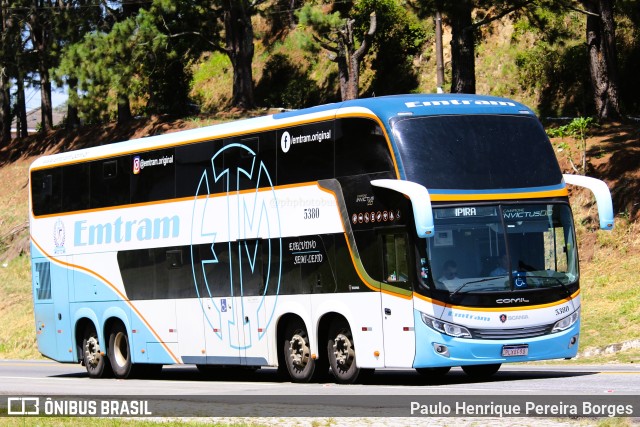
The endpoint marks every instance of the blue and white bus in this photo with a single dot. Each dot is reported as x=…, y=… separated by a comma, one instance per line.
x=413, y=231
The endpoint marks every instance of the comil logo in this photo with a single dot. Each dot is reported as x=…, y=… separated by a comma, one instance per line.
x=285, y=142
x=136, y=165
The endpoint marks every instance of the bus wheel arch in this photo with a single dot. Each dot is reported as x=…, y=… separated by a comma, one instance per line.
x=294, y=351
x=91, y=352
x=119, y=348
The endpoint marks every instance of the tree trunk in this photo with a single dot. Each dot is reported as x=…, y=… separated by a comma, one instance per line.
x=5, y=106
x=463, y=78
x=439, y=53
x=40, y=37
x=5, y=109
x=21, y=110
x=239, y=48
x=124, y=108
x=343, y=74
x=601, y=48
x=46, y=106
x=73, y=121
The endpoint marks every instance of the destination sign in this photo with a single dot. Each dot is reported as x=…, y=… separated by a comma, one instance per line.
x=462, y=212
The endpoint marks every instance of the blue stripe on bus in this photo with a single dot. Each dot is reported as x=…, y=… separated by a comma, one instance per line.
x=95, y=300
x=560, y=186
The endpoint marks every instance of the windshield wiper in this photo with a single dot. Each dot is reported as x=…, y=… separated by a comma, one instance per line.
x=487, y=279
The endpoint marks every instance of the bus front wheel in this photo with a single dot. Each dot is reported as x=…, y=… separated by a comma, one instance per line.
x=94, y=360
x=342, y=353
x=302, y=367
x=119, y=352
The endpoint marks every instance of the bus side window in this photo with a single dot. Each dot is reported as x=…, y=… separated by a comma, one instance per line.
x=361, y=148
x=75, y=184
x=110, y=182
x=396, y=267
x=46, y=187
x=305, y=153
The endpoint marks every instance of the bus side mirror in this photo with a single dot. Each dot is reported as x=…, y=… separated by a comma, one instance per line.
x=602, y=194
x=420, y=202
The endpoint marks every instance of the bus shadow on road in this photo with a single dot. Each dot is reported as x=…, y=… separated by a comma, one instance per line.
x=405, y=377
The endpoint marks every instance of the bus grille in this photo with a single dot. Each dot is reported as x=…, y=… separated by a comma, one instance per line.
x=514, y=333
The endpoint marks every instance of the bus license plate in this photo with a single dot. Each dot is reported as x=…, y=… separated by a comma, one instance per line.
x=515, y=350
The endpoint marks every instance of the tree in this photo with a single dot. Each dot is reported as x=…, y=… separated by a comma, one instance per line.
x=463, y=69
x=601, y=47
x=398, y=38
x=41, y=25
x=239, y=47
x=337, y=36
x=463, y=32
x=5, y=103
x=144, y=57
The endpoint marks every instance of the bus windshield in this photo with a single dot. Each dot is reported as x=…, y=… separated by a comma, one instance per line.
x=475, y=152
x=501, y=248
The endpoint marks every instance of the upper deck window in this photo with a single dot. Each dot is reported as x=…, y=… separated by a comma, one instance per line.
x=474, y=152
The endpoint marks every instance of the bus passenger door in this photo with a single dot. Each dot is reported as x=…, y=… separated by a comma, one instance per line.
x=397, y=302
x=220, y=305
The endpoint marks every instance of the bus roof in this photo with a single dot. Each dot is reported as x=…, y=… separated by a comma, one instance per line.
x=384, y=107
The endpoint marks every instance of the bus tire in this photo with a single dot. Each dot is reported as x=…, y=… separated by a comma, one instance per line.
x=94, y=360
x=302, y=368
x=438, y=372
x=481, y=371
x=342, y=353
x=120, y=352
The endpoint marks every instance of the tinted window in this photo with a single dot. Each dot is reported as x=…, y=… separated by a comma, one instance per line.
x=191, y=162
x=153, y=176
x=46, y=188
x=476, y=152
x=305, y=153
x=361, y=148
x=251, y=161
x=76, y=186
x=110, y=182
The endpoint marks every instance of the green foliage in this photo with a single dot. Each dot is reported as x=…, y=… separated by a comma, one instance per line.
x=577, y=129
x=399, y=37
x=552, y=61
x=145, y=57
x=286, y=84
x=212, y=81
x=323, y=23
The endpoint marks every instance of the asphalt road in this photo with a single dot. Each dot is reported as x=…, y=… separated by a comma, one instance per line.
x=393, y=388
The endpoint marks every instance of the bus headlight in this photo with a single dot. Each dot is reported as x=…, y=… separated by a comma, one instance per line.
x=567, y=322
x=446, y=328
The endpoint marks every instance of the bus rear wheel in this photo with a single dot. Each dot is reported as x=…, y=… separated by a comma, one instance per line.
x=481, y=371
x=301, y=366
x=120, y=352
x=342, y=353
x=96, y=364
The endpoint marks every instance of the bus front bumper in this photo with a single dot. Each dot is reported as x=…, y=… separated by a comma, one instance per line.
x=434, y=349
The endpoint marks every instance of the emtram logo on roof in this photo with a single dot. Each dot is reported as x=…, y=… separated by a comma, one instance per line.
x=458, y=102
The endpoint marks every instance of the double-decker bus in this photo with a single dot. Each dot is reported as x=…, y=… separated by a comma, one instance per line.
x=413, y=231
